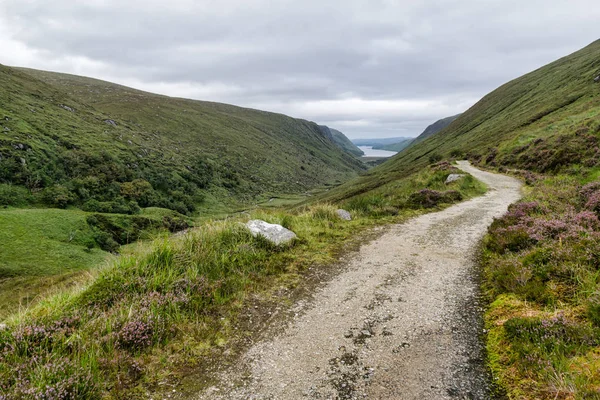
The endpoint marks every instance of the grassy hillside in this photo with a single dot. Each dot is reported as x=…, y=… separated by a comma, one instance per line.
x=43, y=248
x=397, y=147
x=75, y=140
x=436, y=127
x=540, y=262
x=542, y=121
x=343, y=142
x=148, y=318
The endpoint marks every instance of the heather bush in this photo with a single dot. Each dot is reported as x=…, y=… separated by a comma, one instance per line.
x=426, y=198
x=593, y=309
x=544, y=255
x=434, y=158
x=513, y=239
x=140, y=333
x=545, y=336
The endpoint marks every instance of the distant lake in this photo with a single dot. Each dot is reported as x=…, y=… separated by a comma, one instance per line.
x=371, y=152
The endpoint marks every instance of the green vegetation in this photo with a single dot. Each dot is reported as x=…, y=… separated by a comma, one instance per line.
x=552, y=111
x=541, y=273
x=397, y=147
x=43, y=247
x=435, y=127
x=41, y=242
x=135, y=321
x=345, y=144
x=540, y=262
x=149, y=314
x=68, y=140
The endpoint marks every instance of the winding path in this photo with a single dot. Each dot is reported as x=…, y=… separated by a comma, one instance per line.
x=403, y=320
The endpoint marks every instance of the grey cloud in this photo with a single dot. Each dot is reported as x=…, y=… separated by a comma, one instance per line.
x=309, y=59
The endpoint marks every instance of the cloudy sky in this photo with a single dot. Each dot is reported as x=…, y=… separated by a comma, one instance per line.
x=373, y=68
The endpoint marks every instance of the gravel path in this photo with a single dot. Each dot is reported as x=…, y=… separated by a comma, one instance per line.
x=403, y=320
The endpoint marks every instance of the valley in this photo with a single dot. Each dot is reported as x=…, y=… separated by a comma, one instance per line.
x=127, y=270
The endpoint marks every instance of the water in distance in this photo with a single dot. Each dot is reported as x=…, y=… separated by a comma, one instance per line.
x=371, y=152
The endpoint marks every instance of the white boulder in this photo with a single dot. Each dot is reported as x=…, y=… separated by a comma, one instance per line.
x=273, y=232
x=453, y=177
x=343, y=214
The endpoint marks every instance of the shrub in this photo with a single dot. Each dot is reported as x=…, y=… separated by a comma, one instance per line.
x=424, y=198
x=451, y=196
x=11, y=195
x=58, y=196
x=119, y=206
x=434, y=157
x=456, y=153
x=136, y=335
x=428, y=198
x=513, y=239
x=138, y=190
x=106, y=242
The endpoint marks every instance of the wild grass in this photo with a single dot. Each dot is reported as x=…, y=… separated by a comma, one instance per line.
x=42, y=248
x=162, y=308
x=541, y=273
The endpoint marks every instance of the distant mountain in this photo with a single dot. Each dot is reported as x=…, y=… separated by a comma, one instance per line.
x=342, y=141
x=436, y=127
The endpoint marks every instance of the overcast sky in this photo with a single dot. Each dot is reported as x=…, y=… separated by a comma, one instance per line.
x=374, y=68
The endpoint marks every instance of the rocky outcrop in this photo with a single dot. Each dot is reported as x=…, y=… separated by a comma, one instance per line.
x=597, y=79
x=274, y=233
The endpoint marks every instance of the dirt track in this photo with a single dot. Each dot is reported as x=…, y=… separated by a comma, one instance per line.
x=402, y=321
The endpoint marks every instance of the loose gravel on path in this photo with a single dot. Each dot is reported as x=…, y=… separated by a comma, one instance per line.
x=402, y=321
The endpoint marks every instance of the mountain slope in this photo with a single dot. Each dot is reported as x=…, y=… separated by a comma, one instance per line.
x=436, y=127
x=346, y=144
x=554, y=111
x=397, y=147
x=78, y=139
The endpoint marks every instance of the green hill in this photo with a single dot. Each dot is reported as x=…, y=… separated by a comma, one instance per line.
x=397, y=147
x=436, y=127
x=98, y=145
x=344, y=143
